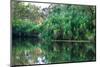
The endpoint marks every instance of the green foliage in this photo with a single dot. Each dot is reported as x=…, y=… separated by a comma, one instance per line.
x=24, y=27
x=22, y=11
x=63, y=22
x=25, y=19
x=70, y=22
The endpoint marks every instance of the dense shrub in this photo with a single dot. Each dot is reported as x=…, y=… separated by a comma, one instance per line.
x=70, y=22
x=24, y=28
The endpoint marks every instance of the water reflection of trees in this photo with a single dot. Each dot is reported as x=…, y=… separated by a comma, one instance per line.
x=54, y=52
x=65, y=34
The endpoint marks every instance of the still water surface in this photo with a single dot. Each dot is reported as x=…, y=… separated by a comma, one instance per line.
x=30, y=51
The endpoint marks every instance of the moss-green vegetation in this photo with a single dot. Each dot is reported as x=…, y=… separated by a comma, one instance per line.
x=56, y=22
x=70, y=22
x=62, y=22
